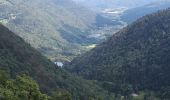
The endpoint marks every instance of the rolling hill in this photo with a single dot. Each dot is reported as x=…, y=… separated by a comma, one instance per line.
x=134, y=59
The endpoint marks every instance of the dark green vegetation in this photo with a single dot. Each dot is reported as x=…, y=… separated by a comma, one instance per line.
x=24, y=88
x=58, y=28
x=17, y=57
x=134, y=59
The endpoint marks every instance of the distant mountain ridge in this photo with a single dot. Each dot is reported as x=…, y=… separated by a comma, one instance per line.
x=102, y=4
x=133, y=14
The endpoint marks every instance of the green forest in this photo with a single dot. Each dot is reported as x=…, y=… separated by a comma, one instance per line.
x=18, y=57
x=66, y=50
x=25, y=88
x=133, y=60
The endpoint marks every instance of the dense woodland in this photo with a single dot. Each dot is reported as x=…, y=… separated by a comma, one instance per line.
x=18, y=57
x=26, y=74
x=133, y=64
x=133, y=60
x=24, y=88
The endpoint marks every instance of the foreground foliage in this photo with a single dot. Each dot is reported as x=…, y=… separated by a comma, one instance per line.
x=24, y=88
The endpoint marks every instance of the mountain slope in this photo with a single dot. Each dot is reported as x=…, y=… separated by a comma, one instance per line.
x=137, y=56
x=40, y=24
x=17, y=57
x=57, y=28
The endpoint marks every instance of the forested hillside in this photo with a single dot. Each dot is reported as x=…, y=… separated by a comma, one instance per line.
x=134, y=59
x=18, y=57
x=59, y=29
x=39, y=40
